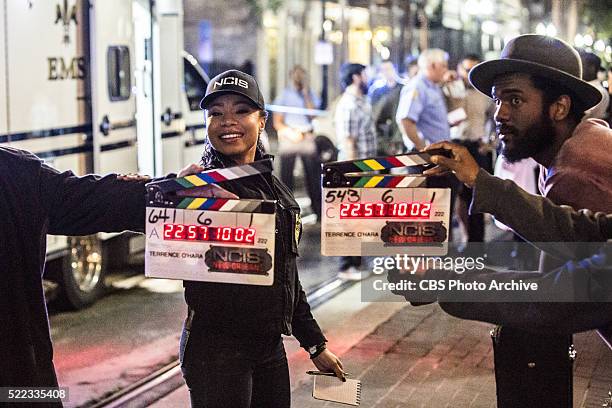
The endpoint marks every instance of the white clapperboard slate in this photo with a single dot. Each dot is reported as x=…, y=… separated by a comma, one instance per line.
x=210, y=239
x=370, y=214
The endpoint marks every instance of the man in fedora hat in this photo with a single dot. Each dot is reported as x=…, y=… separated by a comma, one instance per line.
x=540, y=100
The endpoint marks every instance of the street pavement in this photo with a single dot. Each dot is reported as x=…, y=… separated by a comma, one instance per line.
x=405, y=356
x=409, y=356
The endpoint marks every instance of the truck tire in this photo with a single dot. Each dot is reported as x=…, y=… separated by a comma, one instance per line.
x=81, y=278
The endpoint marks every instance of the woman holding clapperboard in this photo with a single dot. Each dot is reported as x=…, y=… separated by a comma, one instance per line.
x=231, y=352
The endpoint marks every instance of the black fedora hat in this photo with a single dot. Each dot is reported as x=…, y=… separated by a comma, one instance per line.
x=540, y=55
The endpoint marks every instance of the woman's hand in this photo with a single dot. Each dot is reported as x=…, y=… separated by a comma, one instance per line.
x=329, y=363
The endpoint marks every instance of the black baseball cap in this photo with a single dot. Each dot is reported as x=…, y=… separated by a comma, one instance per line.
x=235, y=82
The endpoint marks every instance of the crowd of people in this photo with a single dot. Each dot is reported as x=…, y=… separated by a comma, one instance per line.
x=231, y=350
x=394, y=113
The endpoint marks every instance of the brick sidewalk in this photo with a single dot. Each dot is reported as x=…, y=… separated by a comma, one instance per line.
x=422, y=357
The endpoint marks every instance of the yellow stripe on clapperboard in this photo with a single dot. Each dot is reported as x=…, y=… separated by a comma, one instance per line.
x=374, y=165
x=195, y=180
x=196, y=203
x=373, y=181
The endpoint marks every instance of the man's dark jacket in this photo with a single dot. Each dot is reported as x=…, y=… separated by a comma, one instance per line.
x=539, y=220
x=36, y=199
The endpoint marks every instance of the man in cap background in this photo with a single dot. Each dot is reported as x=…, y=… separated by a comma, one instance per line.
x=355, y=134
x=540, y=102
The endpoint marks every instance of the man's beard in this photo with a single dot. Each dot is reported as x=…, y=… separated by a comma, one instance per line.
x=528, y=143
x=364, y=88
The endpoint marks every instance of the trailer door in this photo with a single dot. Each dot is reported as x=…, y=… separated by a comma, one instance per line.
x=113, y=103
x=170, y=22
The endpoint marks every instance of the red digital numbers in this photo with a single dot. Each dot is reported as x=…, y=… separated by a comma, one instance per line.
x=182, y=232
x=385, y=210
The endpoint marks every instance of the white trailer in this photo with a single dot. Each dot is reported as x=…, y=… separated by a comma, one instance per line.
x=98, y=86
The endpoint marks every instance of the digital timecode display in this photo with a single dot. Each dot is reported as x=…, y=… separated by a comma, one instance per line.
x=412, y=210
x=183, y=232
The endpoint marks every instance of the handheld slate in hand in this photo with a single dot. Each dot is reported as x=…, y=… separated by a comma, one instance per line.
x=210, y=239
x=371, y=214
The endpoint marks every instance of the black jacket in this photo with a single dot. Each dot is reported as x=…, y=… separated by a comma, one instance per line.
x=248, y=310
x=36, y=199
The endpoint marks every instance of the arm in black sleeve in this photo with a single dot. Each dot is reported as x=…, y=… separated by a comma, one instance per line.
x=569, y=299
x=90, y=204
x=305, y=328
x=536, y=218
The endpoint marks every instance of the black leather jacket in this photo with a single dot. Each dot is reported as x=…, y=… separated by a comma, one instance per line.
x=249, y=310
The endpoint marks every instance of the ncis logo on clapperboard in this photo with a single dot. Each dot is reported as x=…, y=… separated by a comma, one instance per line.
x=399, y=233
x=225, y=259
x=370, y=214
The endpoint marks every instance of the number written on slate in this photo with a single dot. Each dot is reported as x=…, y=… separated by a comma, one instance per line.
x=157, y=214
x=350, y=195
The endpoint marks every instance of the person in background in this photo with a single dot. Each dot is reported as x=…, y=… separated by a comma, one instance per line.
x=422, y=114
x=385, y=83
x=411, y=67
x=591, y=64
x=231, y=349
x=384, y=96
x=295, y=136
x=473, y=133
x=355, y=135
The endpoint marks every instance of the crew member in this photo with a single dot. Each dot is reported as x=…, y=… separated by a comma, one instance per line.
x=38, y=200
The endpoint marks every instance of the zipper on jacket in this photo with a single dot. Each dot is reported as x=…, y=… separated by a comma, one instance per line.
x=287, y=307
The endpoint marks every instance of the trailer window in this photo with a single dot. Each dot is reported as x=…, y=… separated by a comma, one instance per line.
x=195, y=86
x=118, y=68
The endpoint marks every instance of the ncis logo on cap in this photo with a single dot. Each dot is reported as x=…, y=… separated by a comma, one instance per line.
x=231, y=81
x=236, y=82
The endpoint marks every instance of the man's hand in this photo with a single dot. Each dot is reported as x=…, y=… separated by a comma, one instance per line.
x=133, y=177
x=329, y=363
x=411, y=133
x=290, y=134
x=461, y=163
x=191, y=169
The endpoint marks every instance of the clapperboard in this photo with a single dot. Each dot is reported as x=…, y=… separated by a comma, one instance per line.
x=206, y=238
x=371, y=214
